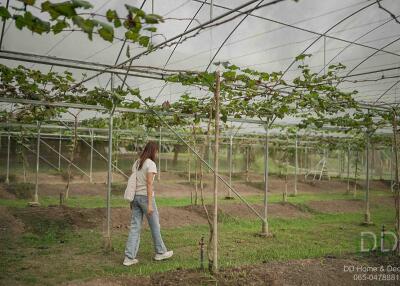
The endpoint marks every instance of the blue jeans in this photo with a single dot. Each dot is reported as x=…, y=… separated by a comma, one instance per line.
x=139, y=208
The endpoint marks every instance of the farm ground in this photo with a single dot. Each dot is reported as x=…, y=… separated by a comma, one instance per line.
x=315, y=234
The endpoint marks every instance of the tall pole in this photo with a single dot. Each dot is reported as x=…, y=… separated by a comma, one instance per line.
x=216, y=166
x=189, y=171
x=59, y=150
x=109, y=171
x=339, y=164
x=348, y=169
x=247, y=162
x=91, y=156
x=36, y=196
x=296, y=165
x=367, y=216
x=230, y=166
x=306, y=158
x=159, y=157
x=397, y=182
x=264, y=229
x=109, y=178
x=391, y=170
x=8, y=159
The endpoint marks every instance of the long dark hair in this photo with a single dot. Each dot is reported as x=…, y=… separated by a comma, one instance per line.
x=149, y=152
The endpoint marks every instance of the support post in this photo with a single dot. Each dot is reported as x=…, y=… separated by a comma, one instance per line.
x=348, y=169
x=109, y=179
x=159, y=157
x=229, y=196
x=264, y=229
x=397, y=182
x=367, y=215
x=247, y=163
x=36, y=196
x=59, y=150
x=91, y=157
x=189, y=163
x=296, y=165
x=391, y=170
x=339, y=172
x=8, y=159
x=216, y=168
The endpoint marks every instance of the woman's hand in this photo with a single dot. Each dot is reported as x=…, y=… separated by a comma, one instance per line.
x=150, y=210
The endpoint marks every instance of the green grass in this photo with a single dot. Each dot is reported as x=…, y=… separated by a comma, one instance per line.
x=40, y=258
x=118, y=201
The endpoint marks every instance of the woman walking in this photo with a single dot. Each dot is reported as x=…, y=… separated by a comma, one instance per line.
x=144, y=204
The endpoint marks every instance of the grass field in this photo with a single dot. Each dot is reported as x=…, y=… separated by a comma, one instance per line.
x=50, y=252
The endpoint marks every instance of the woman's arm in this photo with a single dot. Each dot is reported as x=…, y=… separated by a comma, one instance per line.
x=149, y=179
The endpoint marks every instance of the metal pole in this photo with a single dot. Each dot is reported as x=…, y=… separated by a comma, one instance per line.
x=36, y=196
x=8, y=159
x=91, y=156
x=391, y=171
x=265, y=230
x=367, y=216
x=339, y=163
x=306, y=160
x=159, y=157
x=59, y=150
x=247, y=162
x=230, y=166
x=189, y=171
x=296, y=166
x=216, y=166
x=109, y=178
x=348, y=169
x=209, y=155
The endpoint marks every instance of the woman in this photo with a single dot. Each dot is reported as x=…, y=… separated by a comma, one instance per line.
x=145, y=204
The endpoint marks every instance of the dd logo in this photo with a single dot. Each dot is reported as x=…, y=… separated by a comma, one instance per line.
x=372, y=235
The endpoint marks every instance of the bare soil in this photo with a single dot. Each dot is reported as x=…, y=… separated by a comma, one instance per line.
x=313, y=272
x=176, y=185
x=348, y=206
x=4, y=194
x=9, y=225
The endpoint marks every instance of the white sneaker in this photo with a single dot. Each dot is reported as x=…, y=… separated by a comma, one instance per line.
x=129, y=262
x=164, y=256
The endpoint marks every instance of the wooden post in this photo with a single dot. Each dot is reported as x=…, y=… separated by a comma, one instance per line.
x=367, y=215
x=189, y=171
x=229, y=196
x=216, y=165
x=7, y=181
x=159, y=157
x=109, y=180
x=36, y=196
x=396, y=174
x=59, y=150
x=247, y=163
x=264, y=229
x=296, y=166
x=348, y=169
x=91, y=156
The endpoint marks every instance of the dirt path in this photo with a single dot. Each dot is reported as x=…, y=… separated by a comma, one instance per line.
x=313, y=272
